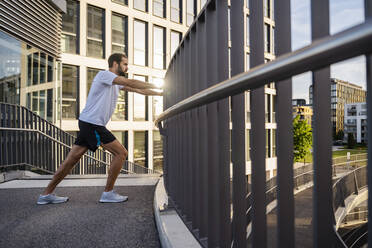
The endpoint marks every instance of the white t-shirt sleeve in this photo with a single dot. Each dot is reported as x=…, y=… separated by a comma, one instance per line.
x=107, y=77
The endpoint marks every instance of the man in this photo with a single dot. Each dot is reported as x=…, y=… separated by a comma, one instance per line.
x=99, y=107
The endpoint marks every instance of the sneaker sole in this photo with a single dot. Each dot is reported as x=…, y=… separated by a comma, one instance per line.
x=110, y=201
x=56, y=202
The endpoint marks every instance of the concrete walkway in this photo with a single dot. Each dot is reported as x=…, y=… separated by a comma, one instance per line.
x=82, y=221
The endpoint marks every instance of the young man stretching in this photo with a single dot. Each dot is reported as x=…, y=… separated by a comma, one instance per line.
x=99, y=107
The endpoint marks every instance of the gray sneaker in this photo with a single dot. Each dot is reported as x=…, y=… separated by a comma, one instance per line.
x=112, y=196
x=51, y=198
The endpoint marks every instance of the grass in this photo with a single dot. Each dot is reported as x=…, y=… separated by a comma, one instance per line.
x=340, y=153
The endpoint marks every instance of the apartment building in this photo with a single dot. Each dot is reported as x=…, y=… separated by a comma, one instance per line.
x=342, y=92
x=356, y=121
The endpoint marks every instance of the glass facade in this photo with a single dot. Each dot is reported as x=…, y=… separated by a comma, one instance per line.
x=140, y=148
x=157, y=101
x=123, y=2
x=95, y=32
x=158, y=151
x=176, y=11
x=140, y=103
x=175, y=41
x=70, y=27
x=159, y=48
x=159, y=8
x=91, y=73
x=190, y=12
x=27, y=77
x=140, y=5
x=119, y=33
x=70, y=96
x=140, y=44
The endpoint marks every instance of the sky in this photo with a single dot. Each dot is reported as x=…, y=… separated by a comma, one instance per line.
x=343, y=15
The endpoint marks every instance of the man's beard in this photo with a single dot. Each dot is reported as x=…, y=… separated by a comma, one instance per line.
x=122, y=73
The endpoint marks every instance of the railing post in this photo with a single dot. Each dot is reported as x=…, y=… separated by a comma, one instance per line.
x=368, y=15
x=238, y=127
x=258, y=137
x=285, y=216
x=223, y=127
x=322, y=191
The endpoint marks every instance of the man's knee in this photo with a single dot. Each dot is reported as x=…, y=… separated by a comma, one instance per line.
x=123, y=153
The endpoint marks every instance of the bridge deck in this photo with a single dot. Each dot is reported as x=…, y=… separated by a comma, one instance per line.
x=81, y=222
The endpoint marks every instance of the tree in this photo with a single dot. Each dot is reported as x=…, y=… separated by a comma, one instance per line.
x=302, y=138
x=350, y=141
x=340, y=135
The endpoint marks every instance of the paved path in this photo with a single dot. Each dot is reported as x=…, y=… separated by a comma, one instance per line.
x=81, y=222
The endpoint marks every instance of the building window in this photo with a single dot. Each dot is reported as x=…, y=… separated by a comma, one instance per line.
x=247, y=31
x=247, y=62
x=140, y=43
x=42, y=68
x=267, y=107
x=140, y=103
x=96, y=34
x=119, y=34
x=159, y=47
x=50, y=69
x=175, y=41
x=190, y=12
x=268, y=143
x=273, y=153
x=267, y=38
x=91, y=73
x=176, y=11
x=70, y=85
x=157, y=101
x=159, y=8
x=140, y=148
x=122, y=137
x=158, y=151
x=121, y=110
x=140, y=5
x=35, y=68
x=123, y=2
x=70, y=28
x=202, y=3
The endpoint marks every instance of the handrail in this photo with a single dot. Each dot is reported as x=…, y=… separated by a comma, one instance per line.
x=341, y=46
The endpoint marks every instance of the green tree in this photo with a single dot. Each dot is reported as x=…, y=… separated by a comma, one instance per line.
x=302, y=138
x=351, y=141
x=340, y=135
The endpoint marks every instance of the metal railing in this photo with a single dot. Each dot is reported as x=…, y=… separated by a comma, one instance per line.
x=27, y=140
x=198, y=142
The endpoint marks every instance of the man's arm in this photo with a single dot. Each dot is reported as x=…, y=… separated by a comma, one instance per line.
x=145, y=92
x=133, y=83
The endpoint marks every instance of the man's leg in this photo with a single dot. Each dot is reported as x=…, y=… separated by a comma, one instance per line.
x=120, y=154
x=72, y=158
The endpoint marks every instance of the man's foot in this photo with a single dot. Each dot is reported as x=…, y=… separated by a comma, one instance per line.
x=51, y=198
x=112, y=196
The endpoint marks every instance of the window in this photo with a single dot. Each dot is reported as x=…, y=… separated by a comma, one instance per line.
x=158, y=151
x=176, y=11
x=202, y=3
x=268, y=142
x=140, y=5
x=247, y=62
x=159, y=8
x=140, y=43
x=119, y=26
x=122, y=137
x=50, y=69
x=247, y=3
x=190, y=12
x=247, y=32
x=273, y=153
x=159, y=47
x=91, y=73
x=35, y=65
x=267, y=107
x=121, y=110
x=42, y=68
x=70, y=84
x=267, y=38
x=157, y=101
x=140, y=148
x=139, y=103
x=123, y=2
x=95, y=39
x=175, y=41
x=70, y=28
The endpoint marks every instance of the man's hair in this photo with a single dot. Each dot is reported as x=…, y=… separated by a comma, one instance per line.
x=117, y=57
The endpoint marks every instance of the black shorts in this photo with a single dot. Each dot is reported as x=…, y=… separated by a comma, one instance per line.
x=92, y=136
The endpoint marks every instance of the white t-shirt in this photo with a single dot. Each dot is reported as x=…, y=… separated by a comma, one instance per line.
x=101, y=100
